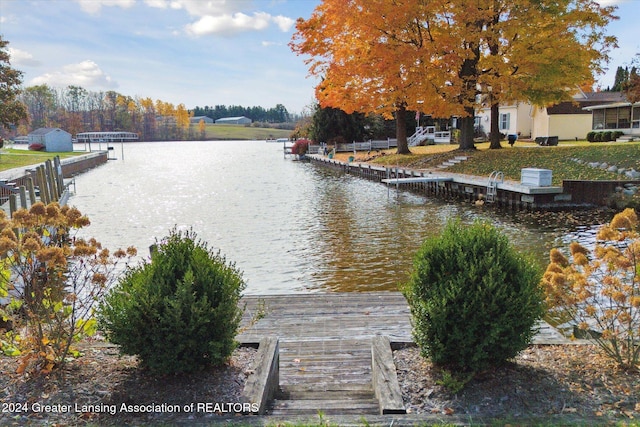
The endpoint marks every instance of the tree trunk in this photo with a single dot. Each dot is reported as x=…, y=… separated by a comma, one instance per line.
x=494, y=133
x=401, y=130
x=467, y=130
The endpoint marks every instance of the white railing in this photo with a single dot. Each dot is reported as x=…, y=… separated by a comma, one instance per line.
x=368, y=145
x=442, y=137
x=422, y=134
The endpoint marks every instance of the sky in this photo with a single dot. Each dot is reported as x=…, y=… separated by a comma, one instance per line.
x=194, y=52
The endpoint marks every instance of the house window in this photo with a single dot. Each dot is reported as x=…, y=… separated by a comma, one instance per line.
x=624, y=117
x=598, y=119
x=504, y=121
x=611, y=118
x=636, y=118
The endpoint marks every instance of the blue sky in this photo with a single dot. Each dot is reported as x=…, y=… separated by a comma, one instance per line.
x=195, y=52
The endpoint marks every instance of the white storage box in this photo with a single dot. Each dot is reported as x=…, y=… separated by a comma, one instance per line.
x=535, y=177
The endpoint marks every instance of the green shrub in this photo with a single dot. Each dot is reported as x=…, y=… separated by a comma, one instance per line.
x=606, y=136
x=474, y=300
x=597, y=137
x=591, y=136
x=179, y=312
x=617, y=134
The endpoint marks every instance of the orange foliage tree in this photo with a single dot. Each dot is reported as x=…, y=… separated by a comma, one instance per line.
x=368, y=55
x=441, y=56
x=599, y=289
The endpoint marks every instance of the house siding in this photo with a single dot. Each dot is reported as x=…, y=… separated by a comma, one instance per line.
x=569, y=126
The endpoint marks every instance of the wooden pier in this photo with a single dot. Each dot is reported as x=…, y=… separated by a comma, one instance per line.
x=327, y=349
x=510, y=195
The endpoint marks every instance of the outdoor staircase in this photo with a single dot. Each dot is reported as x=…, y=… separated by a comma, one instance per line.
x=451, y=162
x=328, y=376
x=421, y=135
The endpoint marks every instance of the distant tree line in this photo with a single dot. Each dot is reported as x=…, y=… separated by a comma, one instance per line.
x=277, y=114
x=76, y=109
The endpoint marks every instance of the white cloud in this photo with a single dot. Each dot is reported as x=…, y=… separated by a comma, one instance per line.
x=160, y=4
x=86, y=74
x=94, y=6
x=229, y=24
x=21, y=57
x=610, y=2
x=212, y=7
x=283, y=22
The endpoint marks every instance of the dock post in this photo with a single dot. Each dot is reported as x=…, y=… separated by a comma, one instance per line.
x=13, y=204
x=58, y=175
x=50, y=178
x=44, y=188
x=23, y=196
x=31, y=190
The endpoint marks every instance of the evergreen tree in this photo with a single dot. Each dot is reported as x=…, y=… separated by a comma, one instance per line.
x=621, y=80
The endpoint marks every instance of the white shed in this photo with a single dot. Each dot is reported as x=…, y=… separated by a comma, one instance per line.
x=51, y=139
x=242, y=120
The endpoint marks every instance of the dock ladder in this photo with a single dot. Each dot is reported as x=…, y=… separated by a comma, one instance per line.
x=492, y=186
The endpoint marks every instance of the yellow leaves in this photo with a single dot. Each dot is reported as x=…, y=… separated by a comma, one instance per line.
x=600, y=288
x=557, y=257
x=627, y=220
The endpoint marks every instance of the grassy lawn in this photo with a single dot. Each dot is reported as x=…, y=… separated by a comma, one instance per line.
x=242, y=132
x=11, y=158
x=560, y=159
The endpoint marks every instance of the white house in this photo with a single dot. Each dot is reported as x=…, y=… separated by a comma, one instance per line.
x=515, y=118
x=567, y=120
x=52, y=139
x=242, y=120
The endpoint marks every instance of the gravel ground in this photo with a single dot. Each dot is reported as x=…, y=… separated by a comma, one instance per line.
x=542, y=382
x=94, y=388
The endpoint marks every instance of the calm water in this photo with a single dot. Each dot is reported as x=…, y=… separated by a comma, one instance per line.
x=289, y=226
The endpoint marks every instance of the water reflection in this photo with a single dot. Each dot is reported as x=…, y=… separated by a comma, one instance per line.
x=290, y=226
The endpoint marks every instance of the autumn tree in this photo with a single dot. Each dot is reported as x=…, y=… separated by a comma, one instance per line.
x=539, y=51
x=11, y=109
x=377, y=55
x=368, y=55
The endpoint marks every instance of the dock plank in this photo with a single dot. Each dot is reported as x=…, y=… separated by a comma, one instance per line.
x=325, y=344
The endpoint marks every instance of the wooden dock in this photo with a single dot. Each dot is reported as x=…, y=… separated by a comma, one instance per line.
x=325, y=346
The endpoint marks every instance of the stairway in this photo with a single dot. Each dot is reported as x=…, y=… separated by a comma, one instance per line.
x=331, y=376
x=451, y=162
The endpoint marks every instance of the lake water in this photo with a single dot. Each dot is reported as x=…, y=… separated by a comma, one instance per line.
x=289, y=226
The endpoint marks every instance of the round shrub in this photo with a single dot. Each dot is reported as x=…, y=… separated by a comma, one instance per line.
x=606, y=136
x=179, y=312
x=474, y=299
x=597, y=137
x=591, y=136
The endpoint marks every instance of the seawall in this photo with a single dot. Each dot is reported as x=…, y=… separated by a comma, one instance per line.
x=27, y=177
x=474, y=189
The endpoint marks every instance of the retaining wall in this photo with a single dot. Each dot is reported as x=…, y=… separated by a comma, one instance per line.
x=571, y=195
